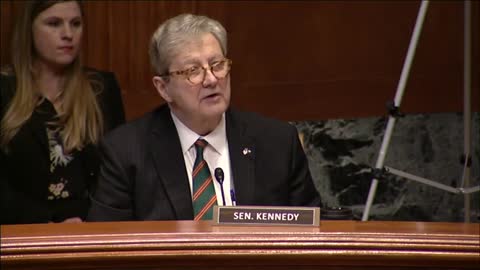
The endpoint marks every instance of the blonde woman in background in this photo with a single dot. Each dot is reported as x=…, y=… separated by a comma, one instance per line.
x=53, y=112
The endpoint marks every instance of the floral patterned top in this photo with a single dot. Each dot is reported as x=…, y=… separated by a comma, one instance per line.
x=67, y=181
x=58, y=159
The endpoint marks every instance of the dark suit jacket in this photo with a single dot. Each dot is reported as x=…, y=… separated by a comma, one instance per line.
x=143, y=176
x=24, y=170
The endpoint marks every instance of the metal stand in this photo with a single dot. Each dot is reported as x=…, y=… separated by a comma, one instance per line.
x=380, y=170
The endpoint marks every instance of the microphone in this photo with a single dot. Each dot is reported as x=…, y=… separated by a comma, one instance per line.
x=219, y=176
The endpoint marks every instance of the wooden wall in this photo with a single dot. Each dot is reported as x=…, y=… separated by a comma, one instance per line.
x=294, y=60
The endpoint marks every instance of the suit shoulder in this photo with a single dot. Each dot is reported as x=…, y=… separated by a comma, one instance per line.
x=105, y=84
x=135, y=129
x=7, y=70
x=90, y=70
x=7, y=78
x=99, y=75
x=253, y=119
x=7, y=88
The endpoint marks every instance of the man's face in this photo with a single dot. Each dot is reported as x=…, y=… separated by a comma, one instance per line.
x=205, y=102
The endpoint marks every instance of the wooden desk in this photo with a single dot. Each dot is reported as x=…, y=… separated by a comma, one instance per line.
x=199, y=245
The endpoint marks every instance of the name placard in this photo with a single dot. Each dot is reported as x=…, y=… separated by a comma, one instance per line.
x=266, y=215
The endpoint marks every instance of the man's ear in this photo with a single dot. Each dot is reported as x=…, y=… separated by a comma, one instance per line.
x=161, y=86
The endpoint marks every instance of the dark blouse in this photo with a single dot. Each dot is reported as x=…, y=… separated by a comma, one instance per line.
x=68, y=182
x=40, y=182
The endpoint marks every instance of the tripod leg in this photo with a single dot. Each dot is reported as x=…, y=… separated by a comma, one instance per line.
x=398, y=99
x=467, y=117
x=379, y=165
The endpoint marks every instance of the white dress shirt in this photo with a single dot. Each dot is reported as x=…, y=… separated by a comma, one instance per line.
x=216, y=155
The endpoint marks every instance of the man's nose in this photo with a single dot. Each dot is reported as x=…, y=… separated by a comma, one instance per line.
x=210, y=79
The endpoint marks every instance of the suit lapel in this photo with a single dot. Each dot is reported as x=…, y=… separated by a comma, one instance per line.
x=170, y=164
x=242, y=158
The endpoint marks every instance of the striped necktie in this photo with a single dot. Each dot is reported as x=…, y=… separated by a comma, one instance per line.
x=204, y=197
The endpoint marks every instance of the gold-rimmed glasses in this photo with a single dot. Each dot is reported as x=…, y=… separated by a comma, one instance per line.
x=196, y=74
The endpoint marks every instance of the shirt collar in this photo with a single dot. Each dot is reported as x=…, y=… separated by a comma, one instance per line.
x=217, y=139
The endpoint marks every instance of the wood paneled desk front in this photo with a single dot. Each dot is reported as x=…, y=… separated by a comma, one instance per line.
x=201, y=245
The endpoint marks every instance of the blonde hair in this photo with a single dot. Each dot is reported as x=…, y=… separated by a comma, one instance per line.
x=79, y=113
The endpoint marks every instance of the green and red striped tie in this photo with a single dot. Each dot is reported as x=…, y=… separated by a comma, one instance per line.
x=204, y=197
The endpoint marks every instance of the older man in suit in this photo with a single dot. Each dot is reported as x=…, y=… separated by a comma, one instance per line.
x=180, y=160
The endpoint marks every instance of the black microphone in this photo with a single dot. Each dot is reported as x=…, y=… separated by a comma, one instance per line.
x=219, y=176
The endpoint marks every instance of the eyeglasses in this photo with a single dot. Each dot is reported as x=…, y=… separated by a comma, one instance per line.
x=196, y=74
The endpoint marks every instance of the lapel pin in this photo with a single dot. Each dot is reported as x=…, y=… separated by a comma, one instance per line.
x=246, y=151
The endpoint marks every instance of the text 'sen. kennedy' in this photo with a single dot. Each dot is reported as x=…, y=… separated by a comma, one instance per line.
x=267, y=215
x=264, y=216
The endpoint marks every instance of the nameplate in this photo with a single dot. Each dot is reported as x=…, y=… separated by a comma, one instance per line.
x=266, y=215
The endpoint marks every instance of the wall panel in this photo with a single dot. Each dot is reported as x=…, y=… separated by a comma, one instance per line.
x=5, y=22
x=294, y=60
